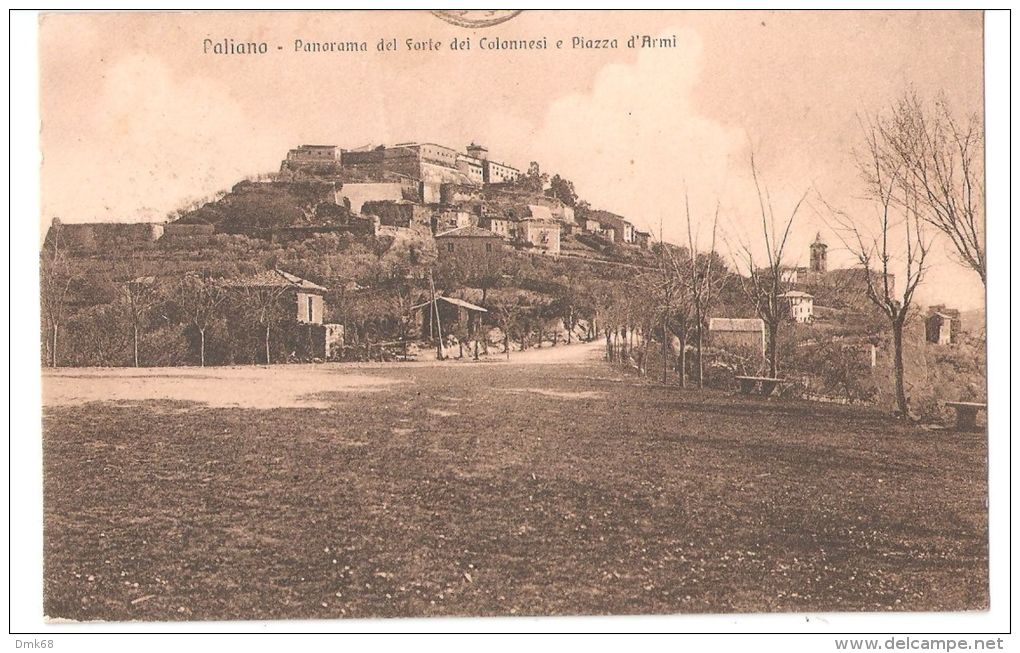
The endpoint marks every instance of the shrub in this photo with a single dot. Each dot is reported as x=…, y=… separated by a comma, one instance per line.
x=934, y=373
x=98, y=336
x=165, y=346
x=836, y=369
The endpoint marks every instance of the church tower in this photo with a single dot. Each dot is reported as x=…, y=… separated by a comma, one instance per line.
x=818, y=255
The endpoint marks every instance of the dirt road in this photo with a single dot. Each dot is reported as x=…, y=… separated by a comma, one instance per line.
x=276, y=386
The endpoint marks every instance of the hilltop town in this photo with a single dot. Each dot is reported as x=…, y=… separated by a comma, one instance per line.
x=380, y=251
x=423, y=187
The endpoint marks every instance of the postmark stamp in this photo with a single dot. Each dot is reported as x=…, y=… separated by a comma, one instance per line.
x=476, y=17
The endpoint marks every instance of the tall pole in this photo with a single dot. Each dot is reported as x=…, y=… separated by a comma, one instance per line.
x=666, y=292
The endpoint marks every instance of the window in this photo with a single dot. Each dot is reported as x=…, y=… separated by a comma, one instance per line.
x=449, y=247
x=488, y=247
x=311, y=311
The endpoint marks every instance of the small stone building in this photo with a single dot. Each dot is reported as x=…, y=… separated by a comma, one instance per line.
x=448, y=218
x=543, y=234
x=303, y=298
x=735, y=334
x=401, y=213
x=302, y=305
x=623, y=230
x=468, y=241
x=942, y=326
x=502, y=227
x=642, y=238
x=454, y=316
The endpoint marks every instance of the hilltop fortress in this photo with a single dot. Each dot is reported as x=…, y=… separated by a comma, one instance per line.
x=427, y=163
x=426, y=187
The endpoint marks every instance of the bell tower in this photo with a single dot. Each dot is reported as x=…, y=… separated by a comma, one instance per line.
x=818, y=255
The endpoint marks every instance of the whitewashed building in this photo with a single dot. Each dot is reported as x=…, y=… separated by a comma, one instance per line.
x=801, y=306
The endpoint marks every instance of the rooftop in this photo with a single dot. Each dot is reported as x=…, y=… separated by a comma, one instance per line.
x=467, y=232
x=742, y=325
x=452, y=300
x=274, y=279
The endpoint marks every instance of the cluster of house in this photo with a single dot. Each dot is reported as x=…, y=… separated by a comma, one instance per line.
x=305, y=303
x=426, y=185
x=846, y=281
x=300, y=305
x=421, y=186
x=942, y=325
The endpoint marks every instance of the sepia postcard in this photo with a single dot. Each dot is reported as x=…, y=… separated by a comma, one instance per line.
x=497, y=313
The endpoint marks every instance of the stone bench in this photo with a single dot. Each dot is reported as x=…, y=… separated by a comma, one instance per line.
x=768, y=384
x=966, y=414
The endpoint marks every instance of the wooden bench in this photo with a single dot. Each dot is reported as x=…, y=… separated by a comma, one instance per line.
x=966, y=414
x=768, y=384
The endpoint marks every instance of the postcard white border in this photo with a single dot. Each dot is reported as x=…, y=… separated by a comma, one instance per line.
x=25, y=420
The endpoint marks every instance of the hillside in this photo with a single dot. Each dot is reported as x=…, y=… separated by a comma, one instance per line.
x=262, y=209
x=265, y=205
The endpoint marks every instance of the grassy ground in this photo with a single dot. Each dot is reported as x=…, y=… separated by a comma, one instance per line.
x=460, y=490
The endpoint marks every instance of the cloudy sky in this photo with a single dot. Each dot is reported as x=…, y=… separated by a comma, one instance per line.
x=137, y=120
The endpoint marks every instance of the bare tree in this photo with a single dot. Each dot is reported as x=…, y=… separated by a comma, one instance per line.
x=941, y=157
x=614, y=311
x=673, y=307
x=140, y=296
x=600, y=299
x=199, y=298
x=262, y=304
x=509, y=314
x=764, y=284
x=703, y=283
x=56, y=278
x=680, y=320
x=401, y=303
x=102, y=334
x=646, y=310
x=672, y=287
x=898, y=241
x=570, y=304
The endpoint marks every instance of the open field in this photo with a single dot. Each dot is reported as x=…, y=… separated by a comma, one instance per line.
x=491, y=489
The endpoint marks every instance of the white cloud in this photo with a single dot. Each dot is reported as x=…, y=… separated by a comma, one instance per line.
x=633, y=142
x=144, y=141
